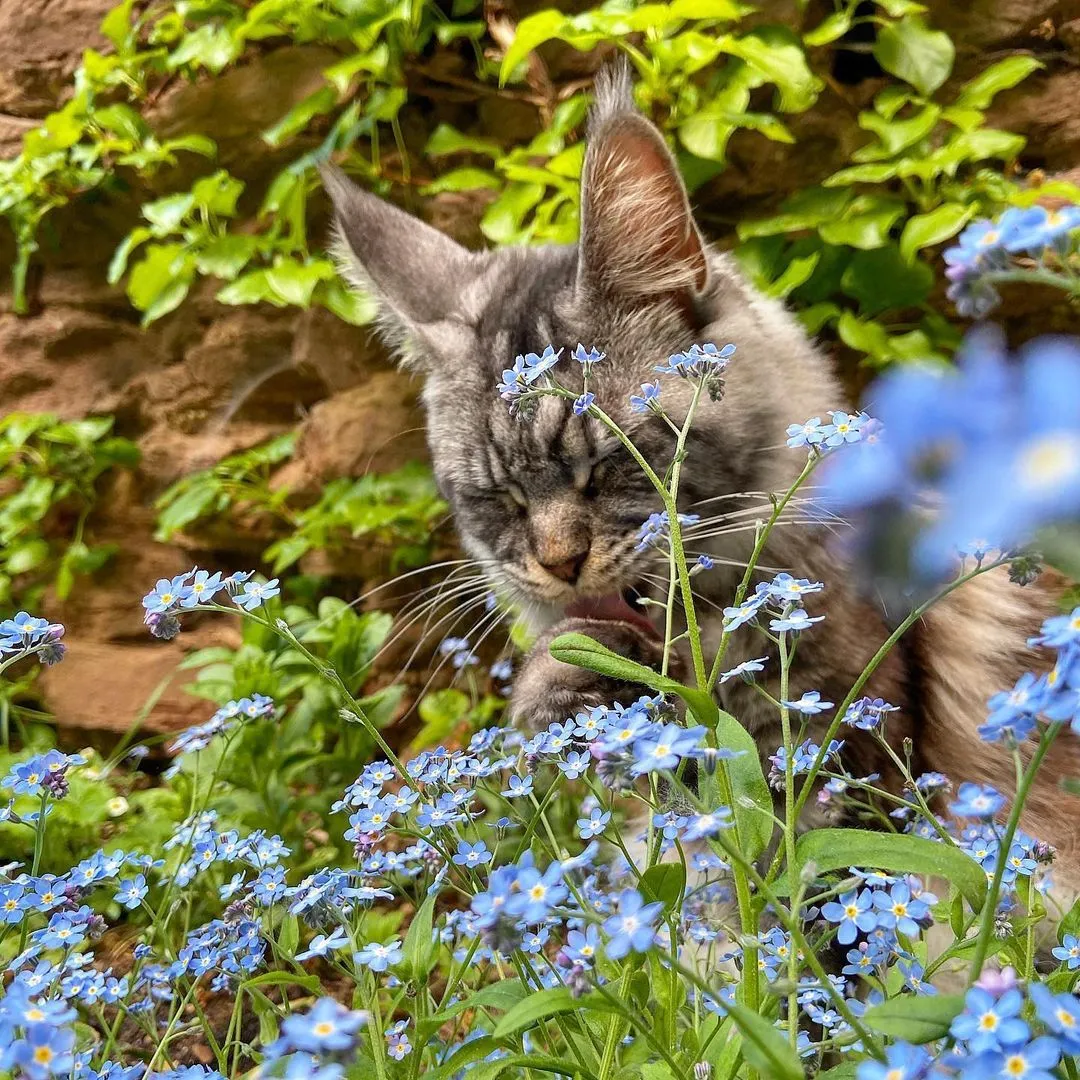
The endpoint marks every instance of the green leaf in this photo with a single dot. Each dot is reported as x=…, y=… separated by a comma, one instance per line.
x=289, y=934
x=979, y=92
x=160, y=281
x=797, y=272
x=225, y=256
x=915, y=1018
x=532, y=31
x=300, y=115
x=776, y=54
x=764, y=1047
x=861, y=174
x=926, y=230
x=355, y=308
x=835, y=26
x=466, y=1054
x=490, y=1070
x=880, y=280
x=293, y=282
x=446, y=139
x=808, y=209
x=664, y=882
x=545, y=1004
x=249, y=288
x=211, y=46
x=419, y=949
x=837, y=849
x=118, y=263
x=27, y=557
x=167, y=214
x=911, y=51
x=865, y=224
x=465, y=179
x=747, y=779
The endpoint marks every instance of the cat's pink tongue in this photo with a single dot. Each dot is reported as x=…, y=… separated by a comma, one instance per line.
x=612, y=607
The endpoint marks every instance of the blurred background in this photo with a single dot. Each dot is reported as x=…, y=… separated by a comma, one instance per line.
x=185, y=380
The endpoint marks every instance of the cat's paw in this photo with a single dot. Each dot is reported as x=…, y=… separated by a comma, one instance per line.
x=547, y=691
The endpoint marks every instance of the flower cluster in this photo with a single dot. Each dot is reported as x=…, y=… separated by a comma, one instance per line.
x=24, y=634
x=942, y=451
x=842, y=428
x=1034, y=242
x=171, y=596
x=655, y=531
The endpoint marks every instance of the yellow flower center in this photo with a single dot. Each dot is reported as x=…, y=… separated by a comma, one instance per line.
x=324, y=1028
x=43, y=1055
x=1050, y=460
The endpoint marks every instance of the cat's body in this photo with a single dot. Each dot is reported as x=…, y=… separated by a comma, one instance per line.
x=551, y=507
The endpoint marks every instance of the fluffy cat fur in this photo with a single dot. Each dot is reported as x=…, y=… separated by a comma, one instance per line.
x=532, y=498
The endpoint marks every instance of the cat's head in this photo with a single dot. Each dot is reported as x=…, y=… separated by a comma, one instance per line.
x=552, y=506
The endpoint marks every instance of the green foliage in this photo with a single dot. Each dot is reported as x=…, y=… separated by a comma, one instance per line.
x=51, y=470
x=399, y=508
x=922, y=176
x=835, y=250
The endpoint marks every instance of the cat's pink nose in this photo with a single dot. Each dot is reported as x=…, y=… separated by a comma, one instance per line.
x=567, y=570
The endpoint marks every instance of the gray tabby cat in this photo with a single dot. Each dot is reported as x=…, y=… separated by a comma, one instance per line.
x=551, y=507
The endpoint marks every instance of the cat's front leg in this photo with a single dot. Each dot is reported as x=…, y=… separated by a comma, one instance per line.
x=547, y=691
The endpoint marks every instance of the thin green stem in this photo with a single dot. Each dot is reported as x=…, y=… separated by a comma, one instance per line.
x=759, y=546
x=986, y=925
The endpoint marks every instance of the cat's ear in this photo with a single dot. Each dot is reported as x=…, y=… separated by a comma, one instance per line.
x=415, y=272
x=638, y=236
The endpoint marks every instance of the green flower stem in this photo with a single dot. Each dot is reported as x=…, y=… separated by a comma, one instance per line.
x=986, y=926
x=670, y=505
x=39, y=845
x=607, y=1062
x=913, y=617
x=799, y=943
x=759, y=546
x=789, y=832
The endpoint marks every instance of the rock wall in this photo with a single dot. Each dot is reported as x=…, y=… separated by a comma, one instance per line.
x=209, y=380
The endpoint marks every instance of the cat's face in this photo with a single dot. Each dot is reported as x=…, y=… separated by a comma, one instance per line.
x=551, y=507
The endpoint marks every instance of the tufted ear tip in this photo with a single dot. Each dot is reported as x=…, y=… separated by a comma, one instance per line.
x=638, y=235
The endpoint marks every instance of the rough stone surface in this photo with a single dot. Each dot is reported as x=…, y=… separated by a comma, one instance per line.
x=210, y=380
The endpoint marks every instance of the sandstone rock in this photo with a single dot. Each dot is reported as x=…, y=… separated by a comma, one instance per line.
x=370, y=428
x=41, y=44
x=978, y=25
x=86, y=692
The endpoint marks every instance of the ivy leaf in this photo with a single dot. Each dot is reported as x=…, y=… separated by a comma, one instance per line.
x=911, y=51
x=865, y=224
x=926, y=230
x=881, y=280
x=826, y=32
x=775, y=53
x=465, y=179
x=300, y=115
x=446, y=139
x=210, y=46
x=1005, y=74
x=167, y=214
x=225, y=256
x=915, y=1018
